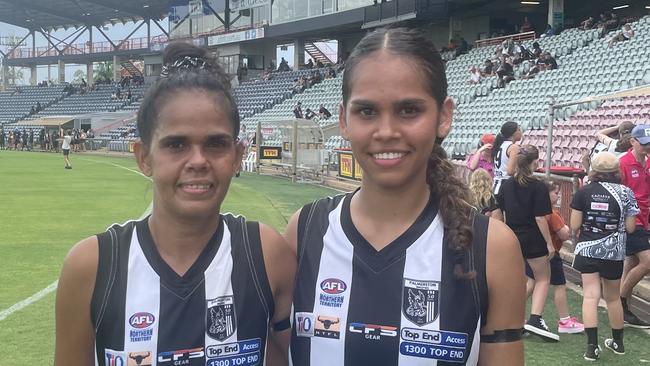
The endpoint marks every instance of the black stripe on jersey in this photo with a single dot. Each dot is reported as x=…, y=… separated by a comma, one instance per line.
x=377, y=261
x=315, y=218
x=109, y=293
x=374, y=312
x=181, y=297
x=466, y=295
x=250, y=286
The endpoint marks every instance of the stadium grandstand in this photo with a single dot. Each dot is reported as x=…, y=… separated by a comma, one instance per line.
x=279, y=53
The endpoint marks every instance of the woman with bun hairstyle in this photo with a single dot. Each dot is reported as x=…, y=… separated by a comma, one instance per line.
x=187, y=284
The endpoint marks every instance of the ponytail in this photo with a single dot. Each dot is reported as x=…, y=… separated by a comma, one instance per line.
x=455, y=210
x=498, y=141
x=523, y=172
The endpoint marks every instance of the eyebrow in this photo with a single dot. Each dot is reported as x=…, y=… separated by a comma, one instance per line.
x=401, y=102
x=219, y=136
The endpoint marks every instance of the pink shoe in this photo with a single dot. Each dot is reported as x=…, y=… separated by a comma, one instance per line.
x=570, y=326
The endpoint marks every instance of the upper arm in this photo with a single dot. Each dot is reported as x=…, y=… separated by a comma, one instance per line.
x=512, y=152
x=75, y=333
x=630, y=224
x=280, y=263
x=506, y=296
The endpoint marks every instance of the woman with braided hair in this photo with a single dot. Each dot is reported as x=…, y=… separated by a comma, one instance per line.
x=403, y=270
x=186, y=285
x=524, y=202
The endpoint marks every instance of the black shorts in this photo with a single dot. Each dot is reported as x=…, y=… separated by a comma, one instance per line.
x=66, y=152
x=532, y=245
x=637, y=241
x=608, y=269
x=557, y=271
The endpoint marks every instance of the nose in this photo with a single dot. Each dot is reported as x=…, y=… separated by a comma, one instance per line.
x=386, y=128
x=197, y=159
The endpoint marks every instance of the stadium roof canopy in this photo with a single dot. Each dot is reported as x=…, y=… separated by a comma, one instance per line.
x=56, y=14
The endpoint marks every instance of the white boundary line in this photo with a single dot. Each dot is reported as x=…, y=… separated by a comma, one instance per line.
x=4, y=314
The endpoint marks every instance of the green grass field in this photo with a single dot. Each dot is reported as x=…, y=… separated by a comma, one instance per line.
x=45, y=209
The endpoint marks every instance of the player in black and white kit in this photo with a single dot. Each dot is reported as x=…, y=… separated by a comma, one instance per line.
x=603, y=212
x=504, y=153
x=187, y=285
x=403, y=270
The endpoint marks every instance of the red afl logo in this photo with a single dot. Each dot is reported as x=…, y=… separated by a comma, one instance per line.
x=141, y=320
x=333, y=286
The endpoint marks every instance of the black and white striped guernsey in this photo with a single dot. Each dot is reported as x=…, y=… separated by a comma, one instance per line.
x=217, y=314
x=402, y=305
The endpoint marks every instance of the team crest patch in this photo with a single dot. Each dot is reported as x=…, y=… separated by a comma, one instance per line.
x=220, y=318
x=420, y=301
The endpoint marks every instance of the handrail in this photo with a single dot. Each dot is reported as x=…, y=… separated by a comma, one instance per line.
x=497, y=40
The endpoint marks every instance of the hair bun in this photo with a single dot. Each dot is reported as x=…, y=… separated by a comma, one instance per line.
x=180, y=56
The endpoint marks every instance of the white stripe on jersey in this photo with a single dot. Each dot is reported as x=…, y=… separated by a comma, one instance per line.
x=142, y=302
x=216, y=287
x=337, y=251
x=423, y=263
x=472, y=359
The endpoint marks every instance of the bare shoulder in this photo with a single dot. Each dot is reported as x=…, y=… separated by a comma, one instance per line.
x=81, y=262
x=501, y=244
x=291, y=231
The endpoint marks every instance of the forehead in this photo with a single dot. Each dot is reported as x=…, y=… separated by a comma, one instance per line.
x=386, y=75
x=196, y=110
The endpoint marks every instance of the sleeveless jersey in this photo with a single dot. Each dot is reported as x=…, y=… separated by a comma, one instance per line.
x=501, y=165
x=401, y=306
x=217, y=313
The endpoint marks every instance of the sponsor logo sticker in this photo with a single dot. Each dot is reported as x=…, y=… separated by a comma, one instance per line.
x=372, y=331
x=420, y=301
x=599, y=206
x=304, y=323
x=332, y=292
x=142, y=320
x=327, y=327
x=246, y=353
x=114, y=358
x=439, y=345
x=140, y=359
x=182, y=357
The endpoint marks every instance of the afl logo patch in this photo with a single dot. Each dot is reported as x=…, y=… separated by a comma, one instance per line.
x=141, y=320
x=333, y=286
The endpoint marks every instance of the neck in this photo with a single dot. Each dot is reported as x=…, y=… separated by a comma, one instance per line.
x=640, y=156
x=181, y=238
x=391, y=205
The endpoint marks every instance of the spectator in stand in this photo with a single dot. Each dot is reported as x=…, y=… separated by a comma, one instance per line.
x=521, y=53
x=480, y=184
x=315, y=77
x=587, y=24
x=550, y=62
x=32, y=110
x=526, y=26
x=309, y=114
x=535, y=69
x=297, y=111
x=507, y=47
x=548, y=32
x=537, y=51
x=309, y=64
x=559, y=233
x=324, y=113
x=474, y=75
x=619, y=144
x=299, y=85
x=602, y=212
x=463, y=48
x=38, y=107
x=284, y=65
x=319, y=64
x=626, y=34
x=505, y=72
x=451, y=46
x=330, y=73
x=488, y=68
x=482, y=157
x=635, y=173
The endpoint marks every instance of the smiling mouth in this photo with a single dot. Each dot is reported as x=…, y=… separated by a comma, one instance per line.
x=196, y=188
x=388, y=155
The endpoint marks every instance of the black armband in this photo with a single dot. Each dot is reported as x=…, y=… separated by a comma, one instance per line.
x=503, y=336
x=281, y=325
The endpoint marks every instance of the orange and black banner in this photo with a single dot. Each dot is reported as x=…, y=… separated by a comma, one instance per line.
x=271, y=152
